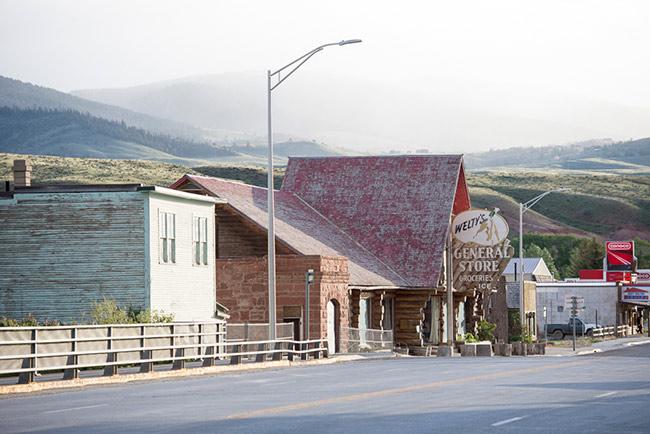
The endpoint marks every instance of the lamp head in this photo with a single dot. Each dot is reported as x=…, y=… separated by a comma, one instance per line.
x=350, y=41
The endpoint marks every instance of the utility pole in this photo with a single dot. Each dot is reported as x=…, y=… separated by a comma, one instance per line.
x=574, y=313
x=450, y=294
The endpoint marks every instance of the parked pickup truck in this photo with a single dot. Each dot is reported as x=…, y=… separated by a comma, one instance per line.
x=558, y=331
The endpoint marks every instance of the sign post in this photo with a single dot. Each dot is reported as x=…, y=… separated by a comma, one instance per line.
x=574, y=302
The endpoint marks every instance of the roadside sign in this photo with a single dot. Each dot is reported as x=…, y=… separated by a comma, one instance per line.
x=569, y=299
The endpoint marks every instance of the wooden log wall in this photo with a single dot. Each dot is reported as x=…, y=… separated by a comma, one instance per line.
x=409, y=314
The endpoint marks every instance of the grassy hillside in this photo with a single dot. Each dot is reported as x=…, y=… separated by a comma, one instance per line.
x=603, y=156
x=60, y=170
x=611, y=206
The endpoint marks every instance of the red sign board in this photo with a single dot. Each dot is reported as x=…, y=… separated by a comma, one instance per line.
x=620, y=255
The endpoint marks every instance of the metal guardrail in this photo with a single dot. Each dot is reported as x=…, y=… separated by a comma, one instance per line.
x=29, y=351
x=367, y=340
x=623, y=330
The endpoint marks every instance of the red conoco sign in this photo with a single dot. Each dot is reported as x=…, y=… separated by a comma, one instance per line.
x=620, y=255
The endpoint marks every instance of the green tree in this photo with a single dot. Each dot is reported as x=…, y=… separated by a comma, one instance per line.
x=642, y=252
x=588, y=254
x=535, y=251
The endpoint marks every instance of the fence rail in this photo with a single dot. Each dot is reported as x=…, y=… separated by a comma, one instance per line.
x=367, y=340
x=623, y=330
x=29, y=351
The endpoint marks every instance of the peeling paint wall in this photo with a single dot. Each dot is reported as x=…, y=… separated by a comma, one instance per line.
x=60, y=252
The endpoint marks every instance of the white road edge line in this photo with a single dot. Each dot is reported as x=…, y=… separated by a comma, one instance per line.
x=74, y=408
x=503, y=422
x=602, y=395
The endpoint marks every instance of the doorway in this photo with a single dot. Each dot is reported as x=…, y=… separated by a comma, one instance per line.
x=333, y=327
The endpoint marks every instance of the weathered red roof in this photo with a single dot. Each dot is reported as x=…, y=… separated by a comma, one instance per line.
x=388, y=215
x=301, y=227
x=397, y=207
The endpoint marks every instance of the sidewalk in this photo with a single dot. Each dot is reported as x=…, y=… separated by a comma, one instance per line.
x=598, y=347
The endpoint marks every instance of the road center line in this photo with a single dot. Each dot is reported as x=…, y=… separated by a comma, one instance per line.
x=74, y=408
x=602, y=395
x=393, y=391
x=513, y=419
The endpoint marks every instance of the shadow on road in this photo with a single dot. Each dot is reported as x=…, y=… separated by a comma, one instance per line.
x=612, y=415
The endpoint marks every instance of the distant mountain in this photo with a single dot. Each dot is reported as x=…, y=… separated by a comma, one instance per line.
x=288, y=149
x=631, y=157
x=72, y=134
x=370, y=115
x=15, y=93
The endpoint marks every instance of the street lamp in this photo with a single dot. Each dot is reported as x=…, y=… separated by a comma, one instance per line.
x=523, y=207
x=291, y=68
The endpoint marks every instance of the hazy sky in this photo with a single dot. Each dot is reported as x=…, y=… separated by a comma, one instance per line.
x=593, y=49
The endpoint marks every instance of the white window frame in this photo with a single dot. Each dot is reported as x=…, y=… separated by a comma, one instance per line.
x=166, y=237
x=200, y=255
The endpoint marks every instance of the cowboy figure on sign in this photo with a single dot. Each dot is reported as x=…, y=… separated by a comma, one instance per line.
x=488, y=226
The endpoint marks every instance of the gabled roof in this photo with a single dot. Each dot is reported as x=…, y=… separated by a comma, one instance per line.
x=388, y=215
x=535, y=266
x=397, y=207
x=300, y=227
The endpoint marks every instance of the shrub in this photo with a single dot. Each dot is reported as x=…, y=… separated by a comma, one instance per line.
x=28, y=321
x=108, y=312
x=470, y=339
x=486, y=330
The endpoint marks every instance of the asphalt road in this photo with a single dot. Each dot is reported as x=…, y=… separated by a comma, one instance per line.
x=603, y=393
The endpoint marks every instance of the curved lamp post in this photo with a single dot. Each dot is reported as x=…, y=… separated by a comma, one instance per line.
x=523, y=207
x=281, y=75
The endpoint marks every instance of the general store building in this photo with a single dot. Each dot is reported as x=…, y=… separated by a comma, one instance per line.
x=373, y=229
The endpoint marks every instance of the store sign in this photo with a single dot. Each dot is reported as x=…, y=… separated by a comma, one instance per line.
x=480, y=250
x=620, y=255
x=480, y=226
x=635, y=294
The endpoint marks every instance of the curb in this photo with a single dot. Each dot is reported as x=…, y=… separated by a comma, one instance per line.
x=34, y=387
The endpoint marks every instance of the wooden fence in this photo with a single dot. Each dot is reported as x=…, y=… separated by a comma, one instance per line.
x=27, y=352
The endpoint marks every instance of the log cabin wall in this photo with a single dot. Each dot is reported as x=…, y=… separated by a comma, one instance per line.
x=409, y=314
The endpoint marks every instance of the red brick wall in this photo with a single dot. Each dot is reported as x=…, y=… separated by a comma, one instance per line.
x=242, y=288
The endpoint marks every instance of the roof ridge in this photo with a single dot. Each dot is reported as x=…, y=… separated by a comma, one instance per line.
x=231, y=181
x=349, y=236
x=376, y=156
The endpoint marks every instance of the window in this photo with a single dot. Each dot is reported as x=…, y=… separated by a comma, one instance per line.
x=167, y=237
x=200, y=241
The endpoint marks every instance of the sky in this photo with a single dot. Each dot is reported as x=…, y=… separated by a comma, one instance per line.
x=511, y=51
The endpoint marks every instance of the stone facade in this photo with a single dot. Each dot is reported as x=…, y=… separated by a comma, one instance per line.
x=242, y=287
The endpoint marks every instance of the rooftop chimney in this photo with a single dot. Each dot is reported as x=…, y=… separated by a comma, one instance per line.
x=22, y=173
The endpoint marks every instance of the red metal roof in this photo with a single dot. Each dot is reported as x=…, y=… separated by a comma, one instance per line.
x=397, y=207
x=301, y=227
x=388, y=215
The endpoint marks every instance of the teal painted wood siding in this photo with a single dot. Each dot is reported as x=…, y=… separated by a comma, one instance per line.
x=60, y=252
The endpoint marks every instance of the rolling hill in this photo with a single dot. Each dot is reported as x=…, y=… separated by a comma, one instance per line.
x=73, y=134
x=606, y=206
x=604, y=156
x=375, y=116
x=17, y=94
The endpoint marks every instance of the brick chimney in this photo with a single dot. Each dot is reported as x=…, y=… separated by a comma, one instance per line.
x=22, y=173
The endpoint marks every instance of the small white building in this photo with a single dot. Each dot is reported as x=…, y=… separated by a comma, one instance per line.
x=64, y=248
x=535, y=270
x=600, y=300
